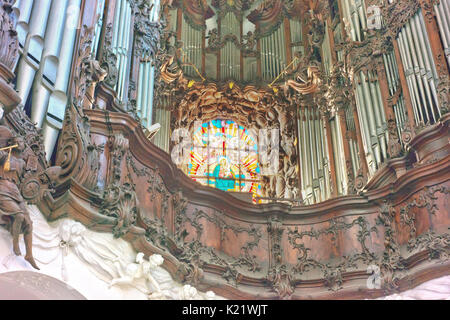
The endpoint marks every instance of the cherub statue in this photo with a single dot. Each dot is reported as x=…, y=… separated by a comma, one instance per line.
x=13, y=211
x=141, y=269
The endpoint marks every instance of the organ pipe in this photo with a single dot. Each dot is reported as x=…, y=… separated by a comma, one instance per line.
x=98, y=26
x=33, y=47
x=121, y=43
x=58, y=99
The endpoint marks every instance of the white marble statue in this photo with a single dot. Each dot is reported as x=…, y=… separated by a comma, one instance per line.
x=131, y=272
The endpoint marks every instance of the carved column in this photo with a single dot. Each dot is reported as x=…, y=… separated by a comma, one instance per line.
x=279, y=276
x=333, y=180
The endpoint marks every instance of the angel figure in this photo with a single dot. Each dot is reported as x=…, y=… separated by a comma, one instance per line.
x=140, y=270
x=13, y=211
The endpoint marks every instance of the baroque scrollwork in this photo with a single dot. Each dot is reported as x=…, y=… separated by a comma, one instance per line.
x=119, y=197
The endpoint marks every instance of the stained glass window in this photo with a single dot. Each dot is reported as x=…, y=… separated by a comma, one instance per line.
x=225, y=156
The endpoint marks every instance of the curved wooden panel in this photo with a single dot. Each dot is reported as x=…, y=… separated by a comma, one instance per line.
x=398, y=225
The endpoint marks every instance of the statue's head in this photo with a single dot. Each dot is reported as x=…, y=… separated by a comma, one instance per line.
x=20, y=143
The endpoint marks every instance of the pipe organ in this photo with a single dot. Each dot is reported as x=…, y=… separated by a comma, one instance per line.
x=302, y=171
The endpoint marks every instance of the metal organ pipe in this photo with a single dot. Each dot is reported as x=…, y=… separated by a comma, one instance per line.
x=49, y=62
x=43, y=26
x=139, y=102
x=128, y=30
x=300, y=147
x=58, y=99
x=23, y=10
x=121, y=43
x=32, y=51
x=431, y=73
x=312, y=153
x=335, y=149
x=98, y=26
x=365, y=123
x=408, y=72
x=125, y=45
x=424, y=63
x=315, y=174
x=419, y=65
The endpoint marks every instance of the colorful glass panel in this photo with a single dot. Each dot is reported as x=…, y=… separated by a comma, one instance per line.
x=225, y=156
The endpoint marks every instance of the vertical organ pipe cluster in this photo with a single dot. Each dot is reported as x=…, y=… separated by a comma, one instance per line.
x=355, y=18
x=121, y=43
x=420, y=70
x=273, y=54
x=230, y=55
x=368, y=95
x=296, y=38
x=47, y=31
x=192, y=47
x=372, y=118
x=145, y=91
x=146, y=81
x=313, y=156
x=393, y=81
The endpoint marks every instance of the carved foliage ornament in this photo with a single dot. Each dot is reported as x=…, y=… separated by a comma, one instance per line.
x=119, y=197
x=109, y=58
x=147, y=32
